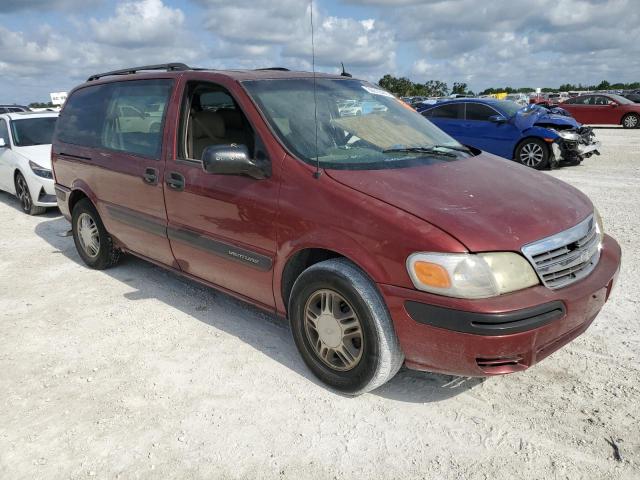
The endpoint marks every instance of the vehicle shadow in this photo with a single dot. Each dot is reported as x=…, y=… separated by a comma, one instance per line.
x=264, y=331
x=14, y=203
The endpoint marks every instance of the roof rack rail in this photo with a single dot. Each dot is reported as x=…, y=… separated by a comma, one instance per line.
x=279, y=69
x=169, y=67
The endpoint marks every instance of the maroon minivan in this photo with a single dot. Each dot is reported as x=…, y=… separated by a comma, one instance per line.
x=383, y=240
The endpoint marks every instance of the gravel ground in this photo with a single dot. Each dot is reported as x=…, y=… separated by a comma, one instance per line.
x=137, y=373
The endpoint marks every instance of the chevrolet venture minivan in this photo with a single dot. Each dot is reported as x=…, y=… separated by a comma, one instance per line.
x=383, y=240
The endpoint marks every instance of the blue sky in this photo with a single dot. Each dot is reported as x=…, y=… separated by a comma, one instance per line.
x=52, y=45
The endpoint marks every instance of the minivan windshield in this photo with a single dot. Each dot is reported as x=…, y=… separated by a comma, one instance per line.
x=359, y=125
x=32, y=131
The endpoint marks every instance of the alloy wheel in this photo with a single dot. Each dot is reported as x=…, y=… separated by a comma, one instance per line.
x=531, y=154
x=333, y=330
x=631, y=121
x=88, y=235
x=22, y=191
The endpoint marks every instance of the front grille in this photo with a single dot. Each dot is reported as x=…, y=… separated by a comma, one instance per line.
x=569, y=256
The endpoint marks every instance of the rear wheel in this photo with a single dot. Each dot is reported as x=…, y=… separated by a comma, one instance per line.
x=533, y=153
x=631, y=121
x=93, y=242
x=24, y=196
x=342, y=327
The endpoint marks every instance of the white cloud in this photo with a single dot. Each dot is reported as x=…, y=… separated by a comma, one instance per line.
x=140, y=23
x=51, y=45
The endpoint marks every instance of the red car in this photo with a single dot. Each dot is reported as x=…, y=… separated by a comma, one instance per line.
x=382, y=239
x=604, y=109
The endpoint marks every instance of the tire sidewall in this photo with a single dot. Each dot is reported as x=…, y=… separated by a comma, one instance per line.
x=101, y=260
x=352, y=381
x=545, y=153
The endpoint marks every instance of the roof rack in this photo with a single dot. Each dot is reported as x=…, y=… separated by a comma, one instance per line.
x=279, y=69
x=169, y=67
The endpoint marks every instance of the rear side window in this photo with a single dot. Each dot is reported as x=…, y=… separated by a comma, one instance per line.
x=451, y=110
x=122, y=116
x=478, y=111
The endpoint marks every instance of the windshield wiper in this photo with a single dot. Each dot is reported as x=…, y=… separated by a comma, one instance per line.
x=431, y=149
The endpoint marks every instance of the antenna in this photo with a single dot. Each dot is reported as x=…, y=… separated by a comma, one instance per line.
x=317, y=173
x=344, y=72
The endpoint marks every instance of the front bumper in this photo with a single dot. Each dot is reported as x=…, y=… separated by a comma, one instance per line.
x=470, y=338
x=42, y=190
x=574, y=151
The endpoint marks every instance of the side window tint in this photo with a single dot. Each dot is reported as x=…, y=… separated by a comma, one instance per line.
x=477, y=111
x=82, y=119
x=134, y=117
x=451, y=110
x=4, y=131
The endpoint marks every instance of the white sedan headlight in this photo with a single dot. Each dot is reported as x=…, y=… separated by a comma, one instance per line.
x=468, y=275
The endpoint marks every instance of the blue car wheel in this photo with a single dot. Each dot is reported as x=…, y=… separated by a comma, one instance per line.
x=533, y=153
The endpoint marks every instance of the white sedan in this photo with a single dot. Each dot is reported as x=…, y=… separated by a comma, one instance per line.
x=25, y=159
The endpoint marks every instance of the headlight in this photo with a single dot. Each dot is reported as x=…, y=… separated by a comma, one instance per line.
x=467, y=275
x=569, y=135
x=599, y=224
x=40, y=171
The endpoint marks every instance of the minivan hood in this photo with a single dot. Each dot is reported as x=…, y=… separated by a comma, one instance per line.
x=524, y=120
x=485, y=202
x=40, y=154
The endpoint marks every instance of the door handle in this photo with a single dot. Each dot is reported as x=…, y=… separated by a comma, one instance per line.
x=150, y=176
x=175, y=181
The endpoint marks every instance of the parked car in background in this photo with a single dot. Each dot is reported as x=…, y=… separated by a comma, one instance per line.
x=634, y=97
x=382, y=239
x=530, y=135
x=521, y=99
x=604, y=109
x=13, y=108
x=25, y=159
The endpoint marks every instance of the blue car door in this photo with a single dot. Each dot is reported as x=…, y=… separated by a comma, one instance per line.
x=448, y=117
x=499, y=138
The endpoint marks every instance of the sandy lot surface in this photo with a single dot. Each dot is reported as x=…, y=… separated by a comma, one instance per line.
x=137, y=373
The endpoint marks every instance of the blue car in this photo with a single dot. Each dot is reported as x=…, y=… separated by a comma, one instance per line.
x=530, y=135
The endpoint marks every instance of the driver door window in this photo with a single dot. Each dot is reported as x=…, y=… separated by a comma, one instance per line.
x=210, y=116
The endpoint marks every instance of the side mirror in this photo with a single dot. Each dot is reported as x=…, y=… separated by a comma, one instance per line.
x=497, y=119
x=612, y=103
x=3, y=143
x=231, y=160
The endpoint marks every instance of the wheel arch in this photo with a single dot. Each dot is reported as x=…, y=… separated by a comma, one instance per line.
x=80, y=190
x=301, y=259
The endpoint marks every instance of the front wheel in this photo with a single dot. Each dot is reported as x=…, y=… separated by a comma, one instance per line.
x=93, y=242
x=24, y=196
x=533, y=153
x=631, y=121
x=342, y=327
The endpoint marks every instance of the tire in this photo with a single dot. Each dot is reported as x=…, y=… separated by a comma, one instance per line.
x=533, y=153
x=355, y=363
x=24, y=196
x=631, y=121
x=93, y=242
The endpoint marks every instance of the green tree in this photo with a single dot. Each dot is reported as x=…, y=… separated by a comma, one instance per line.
x=459, y=88
x=435, y=88
x=603, y=85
